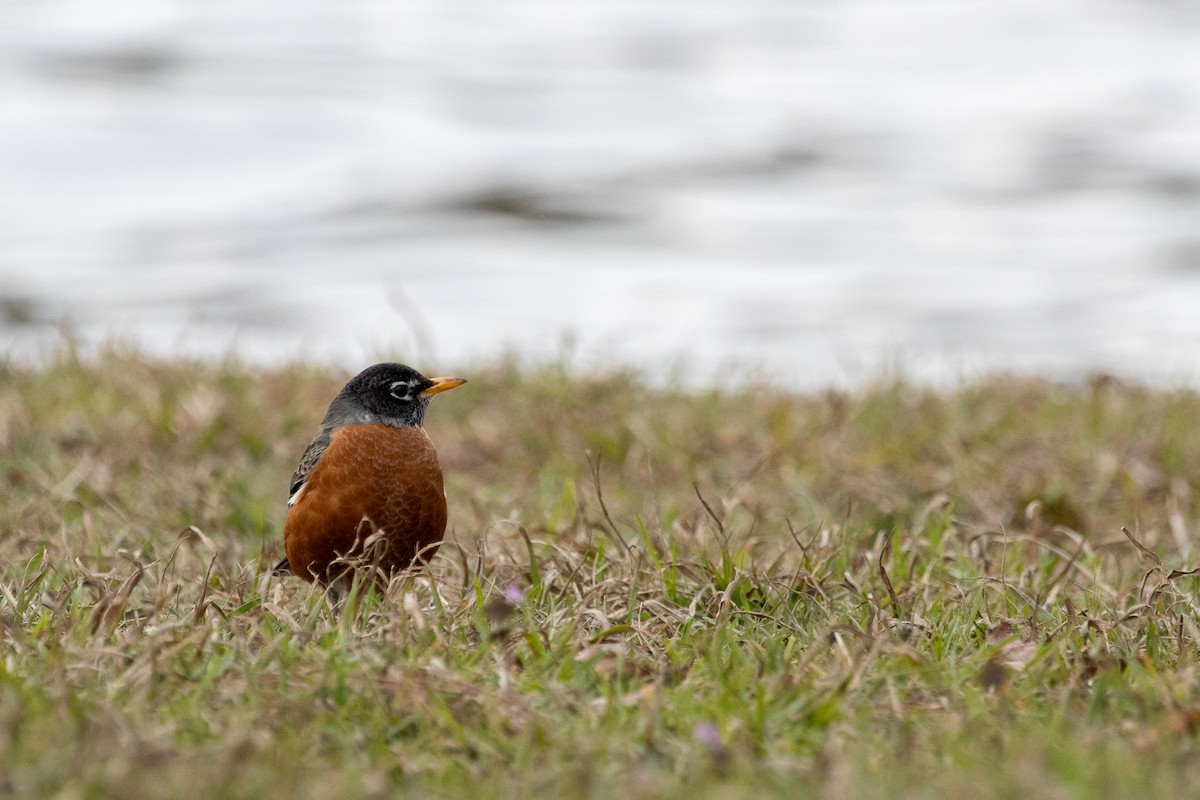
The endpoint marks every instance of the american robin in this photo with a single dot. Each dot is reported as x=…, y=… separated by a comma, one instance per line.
x=369, y=487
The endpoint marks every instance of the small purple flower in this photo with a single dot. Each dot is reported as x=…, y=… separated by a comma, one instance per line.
x=514, y=594
x=707, y=733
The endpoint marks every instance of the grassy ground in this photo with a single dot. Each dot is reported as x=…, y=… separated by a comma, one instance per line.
x=894, y=592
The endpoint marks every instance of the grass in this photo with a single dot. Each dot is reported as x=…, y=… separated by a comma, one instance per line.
x=893, y=592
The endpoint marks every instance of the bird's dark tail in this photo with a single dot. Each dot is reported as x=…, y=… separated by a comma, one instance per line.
x=284, y=567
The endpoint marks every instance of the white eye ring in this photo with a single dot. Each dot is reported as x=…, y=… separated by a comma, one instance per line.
x=407, y=390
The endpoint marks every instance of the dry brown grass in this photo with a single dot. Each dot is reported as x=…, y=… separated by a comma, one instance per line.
x=647, y=592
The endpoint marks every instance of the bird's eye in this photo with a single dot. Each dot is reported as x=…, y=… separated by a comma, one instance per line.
x=401, y=390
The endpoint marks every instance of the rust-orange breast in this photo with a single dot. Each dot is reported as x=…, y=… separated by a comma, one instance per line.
x=385, y=475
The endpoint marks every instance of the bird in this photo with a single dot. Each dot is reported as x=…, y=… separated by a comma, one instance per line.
x=368, y=489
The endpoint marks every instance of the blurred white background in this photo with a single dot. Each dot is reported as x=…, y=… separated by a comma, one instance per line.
x=816, y=190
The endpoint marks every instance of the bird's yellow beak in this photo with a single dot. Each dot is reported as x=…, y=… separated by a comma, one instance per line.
x=441, y=385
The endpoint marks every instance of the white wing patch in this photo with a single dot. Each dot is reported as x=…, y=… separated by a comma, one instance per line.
x=296, y=496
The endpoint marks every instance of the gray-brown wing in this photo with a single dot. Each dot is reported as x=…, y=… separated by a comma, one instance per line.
x=316, y=448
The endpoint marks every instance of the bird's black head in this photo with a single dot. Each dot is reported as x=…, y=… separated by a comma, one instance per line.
x=392, y=394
